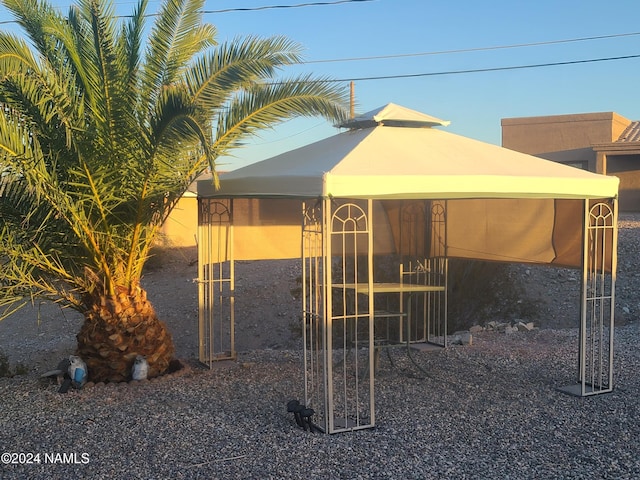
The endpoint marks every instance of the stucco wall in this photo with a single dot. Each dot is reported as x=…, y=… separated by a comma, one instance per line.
x=535, y=135
x=180, y=229
x=571, y=139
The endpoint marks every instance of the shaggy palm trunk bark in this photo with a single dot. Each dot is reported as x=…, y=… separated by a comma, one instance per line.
x=116, y=330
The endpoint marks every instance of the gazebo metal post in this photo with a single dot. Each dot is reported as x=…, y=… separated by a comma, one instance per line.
x=313, y=309
x=349, y=398
x=328, y=318
x=371, y=308
x=216, y=281
x=441, y=265
x=597, y=305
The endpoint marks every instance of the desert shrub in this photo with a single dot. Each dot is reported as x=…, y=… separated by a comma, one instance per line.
x=161, y=257
x=7, y=371
x=481, y=291
x=5, y=368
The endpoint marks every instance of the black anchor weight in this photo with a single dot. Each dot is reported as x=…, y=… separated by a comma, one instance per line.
x=306, y=415
x=302, y=415
x=293, y=406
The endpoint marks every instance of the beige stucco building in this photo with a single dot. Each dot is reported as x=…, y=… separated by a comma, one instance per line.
x=180, y=228
x=603, y=142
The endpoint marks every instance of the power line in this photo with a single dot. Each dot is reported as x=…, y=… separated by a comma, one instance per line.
x=249, y=9
x=441, y=52
x=474, y=70
x=457, y=72
x=403, y=55
x=270, y=7
x=476, y=49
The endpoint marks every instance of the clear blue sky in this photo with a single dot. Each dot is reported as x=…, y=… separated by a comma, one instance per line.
x=473, y=102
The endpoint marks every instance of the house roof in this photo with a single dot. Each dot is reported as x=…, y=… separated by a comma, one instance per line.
x=630, y=134
x=628, y=143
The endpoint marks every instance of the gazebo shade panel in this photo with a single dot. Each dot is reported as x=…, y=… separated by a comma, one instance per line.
x=542, y=231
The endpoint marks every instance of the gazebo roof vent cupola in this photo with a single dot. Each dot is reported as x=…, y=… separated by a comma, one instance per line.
x=393, y=115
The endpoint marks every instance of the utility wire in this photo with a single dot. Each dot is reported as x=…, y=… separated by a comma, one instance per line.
x=476, y=49
x=474, y=70
x=418, y=54
x=246, y=9
x=402, y=55
x=441, y=52
x=270, y=7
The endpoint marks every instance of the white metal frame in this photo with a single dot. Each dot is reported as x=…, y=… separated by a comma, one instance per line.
x=429, y=310
x=313, y=310
x=216, y=281
x=338, y=333
x=338, y=307
x=597, y=309
x=338, y=301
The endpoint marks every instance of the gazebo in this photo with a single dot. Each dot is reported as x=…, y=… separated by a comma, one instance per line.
x=375, y=213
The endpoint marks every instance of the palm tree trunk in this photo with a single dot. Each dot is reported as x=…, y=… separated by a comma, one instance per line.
x=117, y=329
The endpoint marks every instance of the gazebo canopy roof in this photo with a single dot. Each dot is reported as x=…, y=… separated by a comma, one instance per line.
x=396, y=153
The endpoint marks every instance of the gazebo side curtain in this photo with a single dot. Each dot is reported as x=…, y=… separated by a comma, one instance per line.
x=543, y=231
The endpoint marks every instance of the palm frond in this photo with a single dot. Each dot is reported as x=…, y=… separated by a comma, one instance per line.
x=34, y=16
x=268, y=104
x=131, y=42
x=176, y=38
x=43, y=95
x=236, y=65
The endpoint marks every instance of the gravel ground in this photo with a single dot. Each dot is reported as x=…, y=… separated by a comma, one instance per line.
x=489, y=410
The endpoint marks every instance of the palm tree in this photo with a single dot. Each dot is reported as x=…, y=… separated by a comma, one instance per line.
x=100, y=137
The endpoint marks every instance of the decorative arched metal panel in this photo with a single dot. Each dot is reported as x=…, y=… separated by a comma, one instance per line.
x=338, y=323
x=313, y=310
x=216, y=282
x=595, y=362
x=597, y=325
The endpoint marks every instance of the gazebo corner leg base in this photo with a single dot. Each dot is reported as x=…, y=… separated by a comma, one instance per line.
x=576, y=390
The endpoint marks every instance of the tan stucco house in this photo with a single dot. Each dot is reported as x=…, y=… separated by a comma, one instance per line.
x=603, y=142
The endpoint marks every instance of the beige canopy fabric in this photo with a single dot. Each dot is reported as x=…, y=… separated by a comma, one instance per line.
x=391, y=160
x=501, y=205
